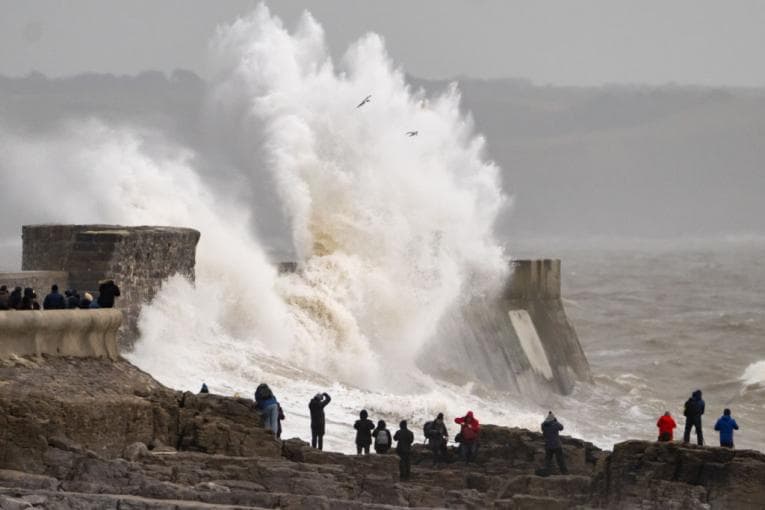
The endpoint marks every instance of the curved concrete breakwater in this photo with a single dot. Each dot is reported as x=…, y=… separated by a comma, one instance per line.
x=519, y=341
x=76, y=333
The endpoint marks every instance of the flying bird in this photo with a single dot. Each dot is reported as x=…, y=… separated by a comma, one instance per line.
x=411, y=133
x=365, y=101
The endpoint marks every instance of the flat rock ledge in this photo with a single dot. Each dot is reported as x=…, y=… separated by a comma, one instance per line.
x=94, y=434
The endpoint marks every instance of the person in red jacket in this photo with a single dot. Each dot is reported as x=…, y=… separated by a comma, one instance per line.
x=666, y=425
x=468, y=436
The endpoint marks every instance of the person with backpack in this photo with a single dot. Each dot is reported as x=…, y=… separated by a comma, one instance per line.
x=404, y=439
x=694, y=408
x=726, y=425
x=551, y=429
x=382, y=438
x=266, y=403
x=468, y=436
x=666, y=425
x=316, y=407
x=364, y=427
x=437, y=436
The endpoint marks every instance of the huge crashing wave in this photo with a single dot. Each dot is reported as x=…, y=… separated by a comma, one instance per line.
x=390, y=231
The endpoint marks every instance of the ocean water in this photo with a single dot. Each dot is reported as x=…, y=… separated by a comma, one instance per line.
x=391, y=232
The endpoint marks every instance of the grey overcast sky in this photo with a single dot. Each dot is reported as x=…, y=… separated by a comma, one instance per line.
x=566, y=42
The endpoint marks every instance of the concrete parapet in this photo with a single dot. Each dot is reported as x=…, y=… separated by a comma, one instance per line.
x=76, y=333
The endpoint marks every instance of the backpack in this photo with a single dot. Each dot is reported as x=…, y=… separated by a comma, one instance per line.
x=427, y=429
x=691, y=408
x=382, y=437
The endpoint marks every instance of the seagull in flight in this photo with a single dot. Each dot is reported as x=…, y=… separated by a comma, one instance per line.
x=412, y=133
x=365, y=101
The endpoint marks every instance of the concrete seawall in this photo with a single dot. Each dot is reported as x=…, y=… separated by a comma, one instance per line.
x=520, y=341
x=76, y=333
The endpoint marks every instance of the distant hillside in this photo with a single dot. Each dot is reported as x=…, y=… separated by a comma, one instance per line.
x=628, y=161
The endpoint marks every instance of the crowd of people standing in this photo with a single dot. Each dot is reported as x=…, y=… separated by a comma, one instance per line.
x=26, y=298
x=370, y=435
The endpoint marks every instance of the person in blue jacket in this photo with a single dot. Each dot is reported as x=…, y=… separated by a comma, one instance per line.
x=54, y=300
x=726, y=425
x=266, y=403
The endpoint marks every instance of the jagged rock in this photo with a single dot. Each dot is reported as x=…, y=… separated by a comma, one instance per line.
x=135, y=451
x=8, y=503
x=58, y=441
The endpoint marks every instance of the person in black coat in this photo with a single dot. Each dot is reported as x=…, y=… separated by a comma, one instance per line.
x=551, y=429
x=694, y=408
x=107, y=291
x=14, y=300
x=72, y=298
x=404, y=438
x=316, y=406
x=364, y=427
x=4, y=297
x=54, y=300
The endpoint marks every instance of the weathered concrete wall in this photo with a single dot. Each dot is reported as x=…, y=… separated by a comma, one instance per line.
x=40, y=281
x=76, y=333
x=138, y=259
x=520, y=341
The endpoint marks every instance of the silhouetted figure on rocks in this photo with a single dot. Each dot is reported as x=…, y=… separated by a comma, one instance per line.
x=666, y=425
x=437, y=437
x=694, y=408
x=364, y=427
x=726, y=425
x=404, y=438
x=54, y=300
x=204, y=389
x=5, y=297
x=266, y=403
x=72, y=298
x=14, y=300
x=551, y=429
x=107, y=291
x=316, y=407
x=381, y=435
x=468, y=437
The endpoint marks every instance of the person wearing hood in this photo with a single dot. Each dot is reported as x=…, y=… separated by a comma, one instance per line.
x=694, y=408
x=726, y=425
x=666, y=425
x=382, y=438
x=404, y=439
x=72, y=298
x=107, y=291
x=437, y=437
x=14, y=300
x=316, y=407
x=266, y=403
x=468, y=437
x=54, y=300
x=204, y=389
x=364, y=427
x=551, y=429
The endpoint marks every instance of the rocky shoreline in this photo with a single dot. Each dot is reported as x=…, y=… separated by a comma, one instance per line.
x=95, y=434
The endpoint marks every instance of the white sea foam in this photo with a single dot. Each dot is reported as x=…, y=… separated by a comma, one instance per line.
x=754, y=374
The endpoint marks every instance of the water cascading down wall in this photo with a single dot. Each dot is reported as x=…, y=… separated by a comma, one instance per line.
x=520, y=341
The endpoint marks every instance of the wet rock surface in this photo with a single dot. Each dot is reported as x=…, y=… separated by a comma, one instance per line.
x=79, y=433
